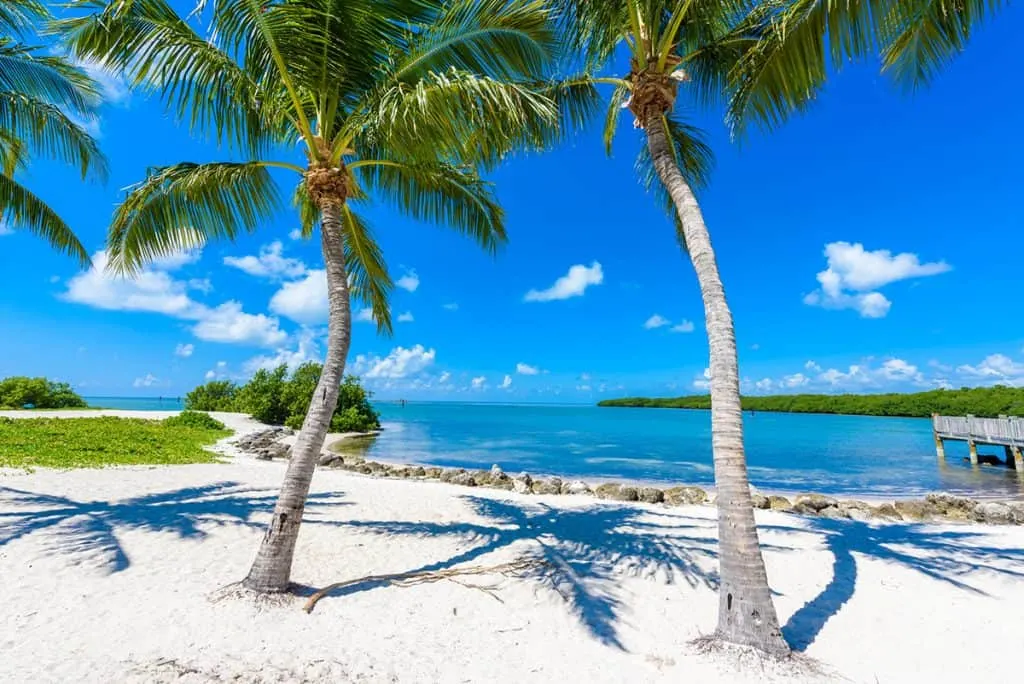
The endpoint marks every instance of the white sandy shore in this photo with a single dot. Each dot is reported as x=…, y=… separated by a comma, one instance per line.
x=107, y=576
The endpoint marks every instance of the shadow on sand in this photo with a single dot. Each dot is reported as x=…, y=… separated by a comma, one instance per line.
x=88, y=529
x=949, y=556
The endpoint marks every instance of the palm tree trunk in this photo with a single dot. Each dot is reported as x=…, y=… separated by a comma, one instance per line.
x=271, y=571
x=746, y=614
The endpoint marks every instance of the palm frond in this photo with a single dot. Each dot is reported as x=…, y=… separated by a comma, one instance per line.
x=43, y=129
x=611, y=120
x=181, y=206
x=440, y=193
x=45, y=77
x=21, y=209
x=158, y=51
x=921, y=36
x=492, y=38
x=368, y=273
x=16, y=16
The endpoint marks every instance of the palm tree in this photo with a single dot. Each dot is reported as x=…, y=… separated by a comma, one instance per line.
x=39, y=97
x=401, y=98
x=674, y=43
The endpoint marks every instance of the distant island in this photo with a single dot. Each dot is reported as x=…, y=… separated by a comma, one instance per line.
x=977, y=401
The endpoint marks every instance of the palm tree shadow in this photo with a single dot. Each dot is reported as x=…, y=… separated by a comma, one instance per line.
x=949, y=556
x=88, y=530
x=585, y=551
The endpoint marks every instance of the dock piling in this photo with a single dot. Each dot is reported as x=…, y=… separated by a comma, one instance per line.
x=1004, y=431
x=972, y=446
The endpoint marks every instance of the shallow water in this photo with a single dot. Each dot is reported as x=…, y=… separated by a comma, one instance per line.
x=850, y=455
x=136, y=403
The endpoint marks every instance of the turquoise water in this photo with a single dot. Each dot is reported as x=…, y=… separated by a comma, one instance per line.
x=851, y=455
x=137, y=403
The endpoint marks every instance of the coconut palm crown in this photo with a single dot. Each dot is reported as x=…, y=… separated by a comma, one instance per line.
x=401, y=100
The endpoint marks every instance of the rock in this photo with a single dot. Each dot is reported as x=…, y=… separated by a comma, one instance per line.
x=550, y=486
x=915, y=510
x=886, y=511
x=952, y=507
x=780, y=503
x=616, y=492
x=522, y=483
x=449, y=474
x=497, y=472
x=815, y=502
x=418, y=471
x=331, y=460
x=399, y=471
x=263, y=444
x=434, y=473
x=497, y=477
x=651, y=495
x=482, y=477
x=859, y=514
x=804, y=509
x=684, y=496
x=994, y=513
x=760, y=501
x=856, y=510
x=575, y=487
x=834, y=513
x=464, y=478
x=1017, y=510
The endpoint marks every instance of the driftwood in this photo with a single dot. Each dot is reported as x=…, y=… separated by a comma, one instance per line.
x=406, y=579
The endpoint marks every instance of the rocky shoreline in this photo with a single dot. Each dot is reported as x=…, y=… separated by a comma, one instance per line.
x=938, y=507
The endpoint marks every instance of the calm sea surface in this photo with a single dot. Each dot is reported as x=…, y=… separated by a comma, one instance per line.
x=137, y=403
x=785, y=452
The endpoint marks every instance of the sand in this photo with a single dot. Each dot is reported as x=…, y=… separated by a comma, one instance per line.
x=115, y=575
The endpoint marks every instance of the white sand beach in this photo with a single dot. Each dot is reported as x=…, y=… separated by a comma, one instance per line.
x=114, y=575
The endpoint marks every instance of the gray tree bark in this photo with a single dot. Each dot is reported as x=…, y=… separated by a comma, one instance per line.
x=271, y=571
x=746, y=614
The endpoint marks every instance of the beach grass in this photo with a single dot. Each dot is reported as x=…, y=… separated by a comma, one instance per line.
x=99, y=442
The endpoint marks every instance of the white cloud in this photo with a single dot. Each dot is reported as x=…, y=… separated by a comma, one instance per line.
x=995, y=369
x=527, y=369
x=200, y=285
x=585, y=377
x=444, y=378
x=399, y=363
x=506, y=383
x=156, y=291
x=795, y=380
x=218, y=373
x=656, y=321
x=270, y=263
x=573, y=284
x=812, y=366
x=303, y=301
x=184, y=350
x=146, y=381
x=410, y=281
x=364, y=315
x=113, y=87
x=583, y=388
x=306, y=349
x=478, y=382
x=176, y=260
x=704, y=381
x=450, y=306
x=854, y=274
x=764, y=385
x=683, y=326
x=406, y=317
x=295, y=234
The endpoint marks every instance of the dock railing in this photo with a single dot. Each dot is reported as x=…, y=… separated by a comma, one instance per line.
x=1005, y=431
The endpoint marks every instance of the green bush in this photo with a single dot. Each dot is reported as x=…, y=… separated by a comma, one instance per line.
x=19, y=392
x=218, y=395
x=194, y=419
x=275, y=398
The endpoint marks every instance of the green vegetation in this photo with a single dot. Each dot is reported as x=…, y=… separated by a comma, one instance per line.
x=977, y=401
x=40, y=393
x=195, y=420
x=275, y=398
x=98, y=442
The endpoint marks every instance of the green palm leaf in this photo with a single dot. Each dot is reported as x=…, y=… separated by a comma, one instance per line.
x=16, y=16
x=179, y=207
x=368, y=273
x=43, y=129
x=46, y=77
x=439, y=193
x=21, y=209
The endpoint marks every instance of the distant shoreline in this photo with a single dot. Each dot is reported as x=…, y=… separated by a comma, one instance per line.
x=978, y=401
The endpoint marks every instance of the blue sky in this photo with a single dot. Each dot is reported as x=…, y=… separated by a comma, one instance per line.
x=872, y=244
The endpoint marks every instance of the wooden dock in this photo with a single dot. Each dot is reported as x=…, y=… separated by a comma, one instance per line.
x=1004, y=431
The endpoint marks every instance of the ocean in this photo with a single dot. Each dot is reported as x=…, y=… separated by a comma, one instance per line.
x=137, y=403
x=842, y=455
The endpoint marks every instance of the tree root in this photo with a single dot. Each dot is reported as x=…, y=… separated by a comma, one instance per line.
x=407, y=579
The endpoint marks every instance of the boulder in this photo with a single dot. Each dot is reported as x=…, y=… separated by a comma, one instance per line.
x=815, y=502
x=760, y=500
x=805, y=509
x=994, y=513
x=449, y=474
x=951, y=506
x=834, y=513
x=418, y=471
x=549, y=486
x=464, y=478
x=575, y=487
x=497, y=473
x=780, y=503
x=856, y=510
x=684, y=496
x=651, y=495
x=482, y=477
x=914, y=509
x=522, y=483
x=434, y=473
x=330, y=460
x=1017, y=510
x=886, y=511
x=616, y=492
